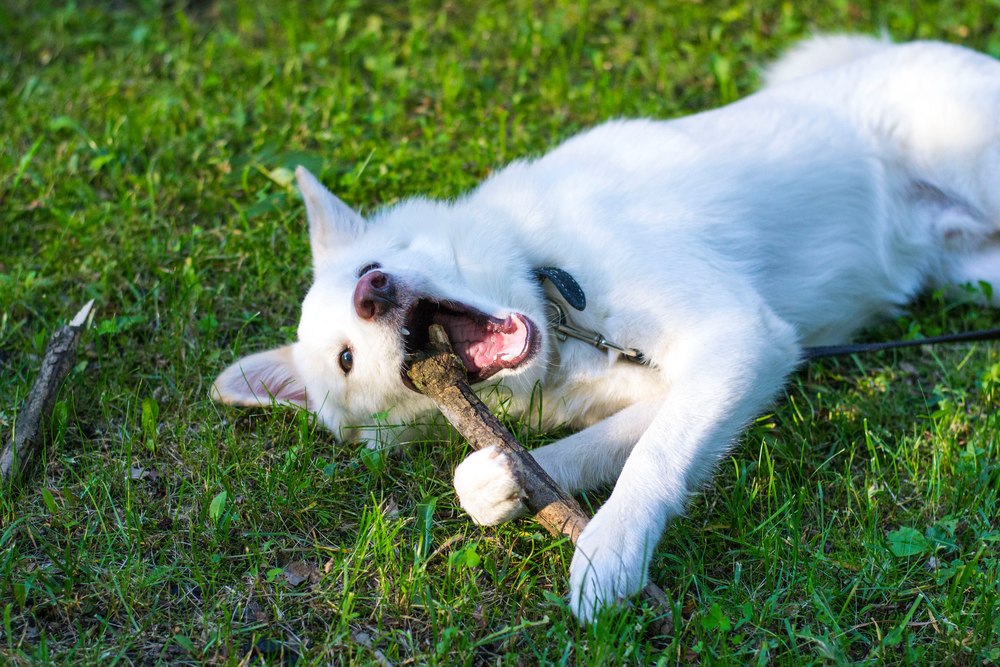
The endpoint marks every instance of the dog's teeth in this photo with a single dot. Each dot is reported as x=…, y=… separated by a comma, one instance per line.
x=405, y=331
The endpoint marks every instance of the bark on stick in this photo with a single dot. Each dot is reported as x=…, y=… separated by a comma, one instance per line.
x=32, y=420
x=440, y=375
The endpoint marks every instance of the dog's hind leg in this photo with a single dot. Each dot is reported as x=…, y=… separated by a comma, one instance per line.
x=932, y=112
x=969, y=235
x=980, y=263
x=949, y=138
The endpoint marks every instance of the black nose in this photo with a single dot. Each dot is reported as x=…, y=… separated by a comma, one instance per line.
x=375, y=295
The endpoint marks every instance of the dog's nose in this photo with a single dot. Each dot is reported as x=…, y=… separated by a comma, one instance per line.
x=374, y=295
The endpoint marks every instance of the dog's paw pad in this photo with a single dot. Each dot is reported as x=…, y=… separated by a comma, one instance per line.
x=487, y=489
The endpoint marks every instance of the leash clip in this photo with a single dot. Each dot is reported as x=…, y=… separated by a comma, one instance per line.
x=566, y=330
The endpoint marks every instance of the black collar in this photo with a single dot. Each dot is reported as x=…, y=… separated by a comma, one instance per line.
x=565, y=283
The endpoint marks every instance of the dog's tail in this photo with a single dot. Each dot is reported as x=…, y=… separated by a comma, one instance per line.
x=820, y=53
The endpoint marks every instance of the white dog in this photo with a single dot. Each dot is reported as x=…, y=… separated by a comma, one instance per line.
x=716, y=245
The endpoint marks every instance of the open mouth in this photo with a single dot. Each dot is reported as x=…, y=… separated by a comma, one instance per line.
x=486, y=345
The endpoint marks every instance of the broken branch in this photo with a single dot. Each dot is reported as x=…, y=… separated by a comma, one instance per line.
x=29, y=431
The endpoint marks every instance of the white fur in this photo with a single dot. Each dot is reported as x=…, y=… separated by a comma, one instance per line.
x=718, y=244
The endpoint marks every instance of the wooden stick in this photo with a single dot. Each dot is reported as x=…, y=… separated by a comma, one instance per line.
x=440, y=375
x=30, y=429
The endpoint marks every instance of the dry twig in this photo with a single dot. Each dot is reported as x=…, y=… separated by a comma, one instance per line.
x=29, y=430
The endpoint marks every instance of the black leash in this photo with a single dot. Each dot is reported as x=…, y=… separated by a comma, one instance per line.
x=573, y=294
x=822, y=351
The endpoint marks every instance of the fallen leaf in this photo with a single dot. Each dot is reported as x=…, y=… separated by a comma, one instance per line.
x=299, y=571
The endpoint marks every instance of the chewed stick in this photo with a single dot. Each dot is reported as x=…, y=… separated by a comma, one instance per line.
x=440, y=375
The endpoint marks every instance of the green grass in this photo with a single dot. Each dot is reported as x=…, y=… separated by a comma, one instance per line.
x=140, y=165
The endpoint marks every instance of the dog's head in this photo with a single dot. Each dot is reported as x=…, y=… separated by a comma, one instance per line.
x=378, y=285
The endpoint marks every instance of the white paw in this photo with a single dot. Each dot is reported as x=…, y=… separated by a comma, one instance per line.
x=610, y=563
x=487, y=489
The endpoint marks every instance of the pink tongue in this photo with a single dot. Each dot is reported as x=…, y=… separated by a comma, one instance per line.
x=487, y=351
x=481, y=349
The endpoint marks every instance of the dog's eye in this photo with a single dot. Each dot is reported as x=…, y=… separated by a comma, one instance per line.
x=346, y=360
x=368, y=267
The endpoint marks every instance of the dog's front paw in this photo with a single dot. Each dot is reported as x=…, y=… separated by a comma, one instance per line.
x=487, y=489
x=610, y=563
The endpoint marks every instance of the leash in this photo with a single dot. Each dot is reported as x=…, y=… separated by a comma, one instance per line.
x=575, y=297
x=824, y=351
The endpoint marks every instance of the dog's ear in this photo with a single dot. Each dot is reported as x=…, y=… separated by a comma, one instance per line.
x=260, y=379
x=332, y=223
